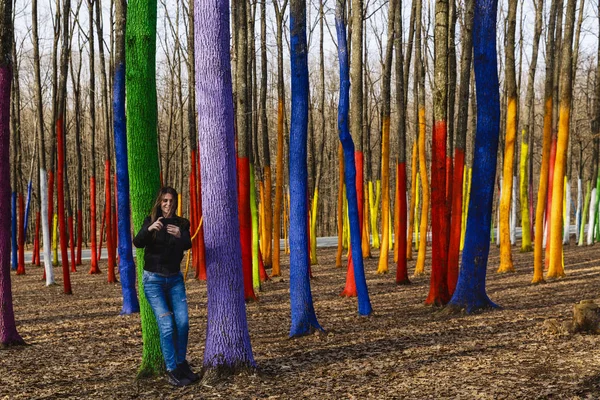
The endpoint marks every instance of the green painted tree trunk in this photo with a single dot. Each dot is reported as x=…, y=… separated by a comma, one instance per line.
x=144, y=172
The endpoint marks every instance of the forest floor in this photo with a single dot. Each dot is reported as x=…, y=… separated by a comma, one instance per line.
x=79, y=346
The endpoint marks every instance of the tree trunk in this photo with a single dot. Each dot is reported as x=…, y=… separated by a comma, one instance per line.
x=506, y=263
x=470, y=294
x=385, y=143
x=438, y=287
x=538, y=275
x=280, y=116
x=142, y=147
x=8, y=330
x=304, y=319
x=228, y=350
x=420, y=92
x=556, y=269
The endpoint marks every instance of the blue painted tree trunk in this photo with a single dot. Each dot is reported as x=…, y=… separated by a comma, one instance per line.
x=13, y=213
x=228, y=347
x=364, y=303
x=470, y=293
x=126, y=265
x=304, y=319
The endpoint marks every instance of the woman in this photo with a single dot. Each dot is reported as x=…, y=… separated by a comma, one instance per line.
x=165, y=236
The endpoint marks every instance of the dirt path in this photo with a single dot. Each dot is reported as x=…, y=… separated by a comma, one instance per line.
x=79, y=347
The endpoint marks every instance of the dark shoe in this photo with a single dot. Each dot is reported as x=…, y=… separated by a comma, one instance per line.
x=177, y=378
x=184, y=367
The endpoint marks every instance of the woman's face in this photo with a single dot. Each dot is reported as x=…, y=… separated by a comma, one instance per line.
x=167, y=205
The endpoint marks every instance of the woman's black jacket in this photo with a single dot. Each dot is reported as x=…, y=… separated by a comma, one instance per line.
x=164, y=251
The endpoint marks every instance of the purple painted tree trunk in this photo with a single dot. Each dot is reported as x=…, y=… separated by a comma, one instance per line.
x=8, y=329
x=228, y=346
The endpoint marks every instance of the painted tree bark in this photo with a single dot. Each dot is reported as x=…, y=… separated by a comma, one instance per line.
x=267, y=254
x=470, y=294
x=243, y=130
x=364, y=304
x=506, y=263
x=556, y=268
x=60, y=134
x=49, y=272
x=304, y=319
x=382, y=267
x=356, y=103
x=466, y=63
x=94, y=268
x=420, y=93
x=126, y=265
x=438, y=287
x=528, y=126
x=228, y=348
x=401, y=226
x=8, y=329
x=538, y=250
x=142, y=152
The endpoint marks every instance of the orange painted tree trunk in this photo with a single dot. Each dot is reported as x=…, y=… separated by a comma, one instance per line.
x=556, y=269
x=538, y=269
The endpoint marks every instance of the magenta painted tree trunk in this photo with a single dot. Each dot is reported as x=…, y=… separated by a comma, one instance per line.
x=8, y=329
x=228, y=346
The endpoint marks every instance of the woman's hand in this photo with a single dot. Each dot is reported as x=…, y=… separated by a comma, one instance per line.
x=156, y=226
x=174, y=230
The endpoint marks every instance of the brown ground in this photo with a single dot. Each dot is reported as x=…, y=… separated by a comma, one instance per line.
x=80, y=347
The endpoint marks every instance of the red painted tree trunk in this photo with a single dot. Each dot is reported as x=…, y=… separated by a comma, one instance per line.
x=21, y=240
x=61, y=205
x=94, y=260
x=201, y=268
x=401, y=267
x=192, y=210
x=456, y=223
x=438, y=288
x=243, y=165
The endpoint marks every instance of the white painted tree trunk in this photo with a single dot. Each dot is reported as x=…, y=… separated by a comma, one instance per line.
x=591, y=219
x=46, y=229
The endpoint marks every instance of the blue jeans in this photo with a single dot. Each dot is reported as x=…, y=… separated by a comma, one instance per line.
x=166, y=296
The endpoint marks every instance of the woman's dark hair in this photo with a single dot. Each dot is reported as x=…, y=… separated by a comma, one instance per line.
x=156, y=211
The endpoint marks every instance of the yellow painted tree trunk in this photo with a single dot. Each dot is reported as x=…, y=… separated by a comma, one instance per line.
x=366, y=235
x=313, y=228
x=526, y=245
x=506, y=263
x=465, y=209
x=385, y=198
x=420, y=267
x=374, y=193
